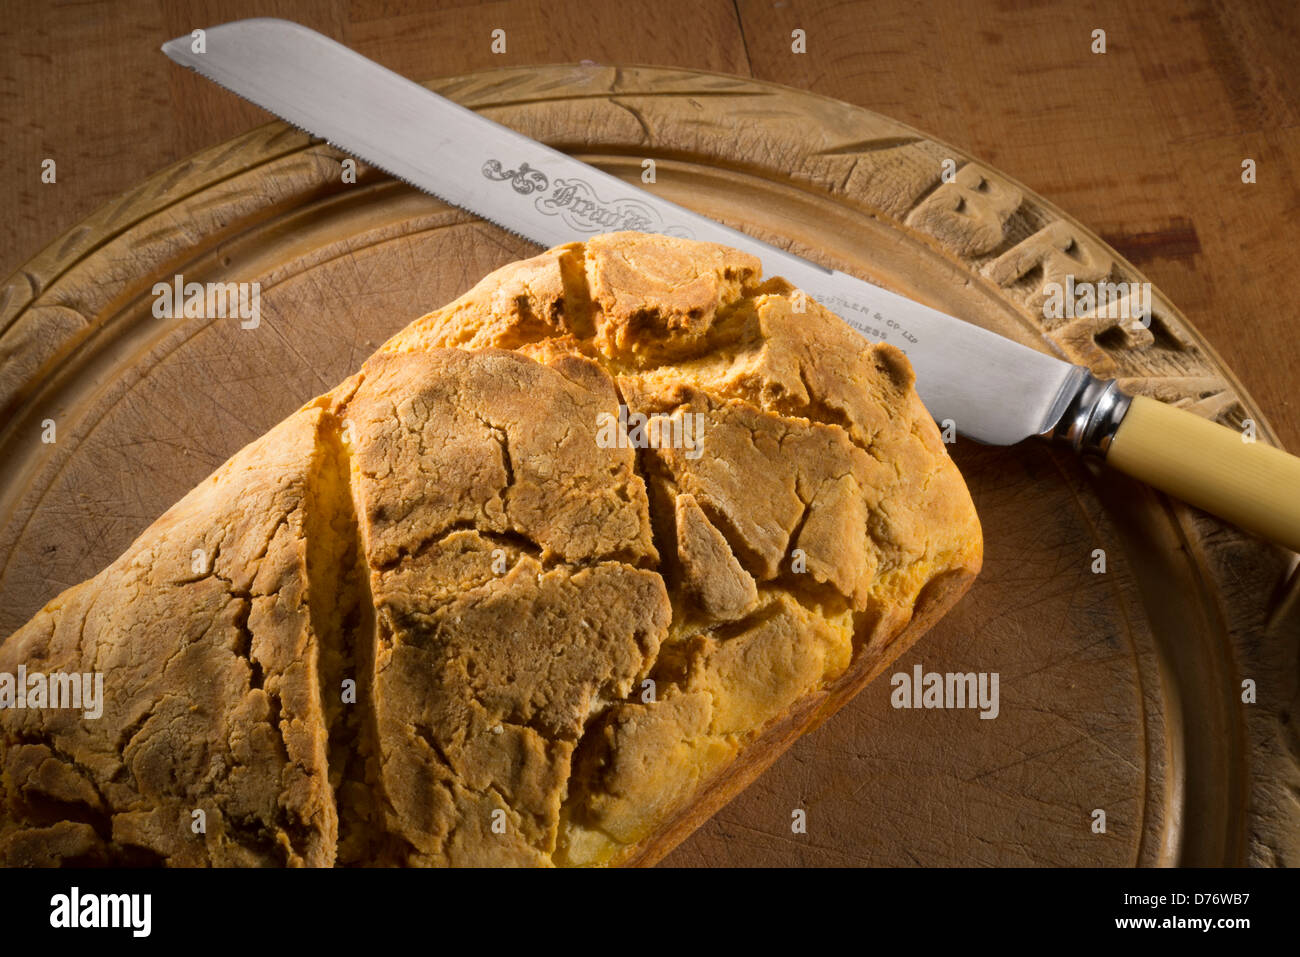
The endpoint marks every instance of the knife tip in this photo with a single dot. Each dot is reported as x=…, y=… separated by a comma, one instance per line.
x=174, y=48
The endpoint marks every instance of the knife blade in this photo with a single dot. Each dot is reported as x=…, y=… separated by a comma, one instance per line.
x=994, y=390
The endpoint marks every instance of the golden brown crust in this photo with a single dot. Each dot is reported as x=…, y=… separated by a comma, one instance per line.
x=939, y=595
x=210, y=701
x=570, y=635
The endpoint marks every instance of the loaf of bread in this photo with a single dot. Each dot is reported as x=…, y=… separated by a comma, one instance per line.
x=561, y=569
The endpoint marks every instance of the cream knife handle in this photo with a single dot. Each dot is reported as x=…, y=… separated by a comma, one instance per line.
x=1212, y=467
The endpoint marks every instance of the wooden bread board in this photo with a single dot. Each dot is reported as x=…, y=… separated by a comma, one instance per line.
x=1119, y=690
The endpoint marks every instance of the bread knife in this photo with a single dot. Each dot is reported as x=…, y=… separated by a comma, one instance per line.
x=993, y=390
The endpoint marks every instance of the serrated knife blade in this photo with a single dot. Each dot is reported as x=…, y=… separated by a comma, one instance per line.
x=994, y=390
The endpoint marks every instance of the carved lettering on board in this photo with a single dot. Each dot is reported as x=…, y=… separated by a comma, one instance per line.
x=1060, y=250
x=969, y=214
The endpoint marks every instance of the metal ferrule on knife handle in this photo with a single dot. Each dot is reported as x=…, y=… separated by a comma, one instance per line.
x=1093, y=416
x=1224, y=472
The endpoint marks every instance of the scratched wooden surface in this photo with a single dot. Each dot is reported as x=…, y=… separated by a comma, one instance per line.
x=1144, y=143
x=1118, y=690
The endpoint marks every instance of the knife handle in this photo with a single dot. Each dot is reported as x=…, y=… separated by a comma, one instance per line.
x=1212, y=467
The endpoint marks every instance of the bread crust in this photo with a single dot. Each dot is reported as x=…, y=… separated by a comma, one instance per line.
x=938, y=596
x=562, y=649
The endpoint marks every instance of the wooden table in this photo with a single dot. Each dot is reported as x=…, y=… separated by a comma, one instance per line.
x=1144, y=143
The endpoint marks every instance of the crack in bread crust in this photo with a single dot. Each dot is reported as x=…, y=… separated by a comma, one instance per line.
x=559, y=653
